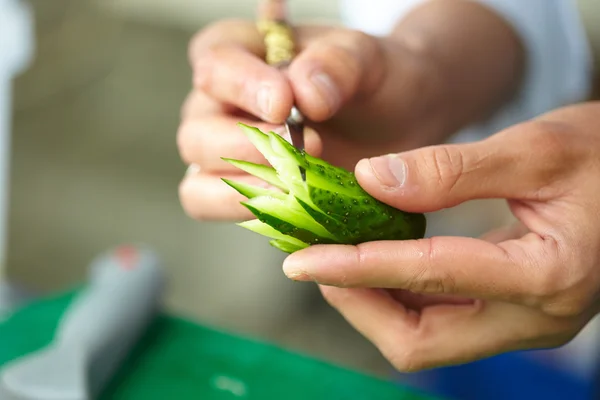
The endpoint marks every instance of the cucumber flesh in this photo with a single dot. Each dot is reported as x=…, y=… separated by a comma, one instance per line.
x=286, y=247
x=329, y=207
x=261, y=228
x=288, y=211
x=264, y=172
x=251, y=191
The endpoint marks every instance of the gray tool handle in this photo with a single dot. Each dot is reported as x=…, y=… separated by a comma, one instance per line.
x=105, y=321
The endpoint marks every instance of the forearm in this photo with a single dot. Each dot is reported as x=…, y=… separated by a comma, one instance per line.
x=477, y=58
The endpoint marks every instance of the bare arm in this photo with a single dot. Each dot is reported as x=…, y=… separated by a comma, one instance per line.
x=479, y=60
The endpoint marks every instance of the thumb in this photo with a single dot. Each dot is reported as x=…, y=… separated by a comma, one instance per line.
x=514, y=164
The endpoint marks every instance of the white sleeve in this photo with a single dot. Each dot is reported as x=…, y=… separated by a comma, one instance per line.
x=559, y=62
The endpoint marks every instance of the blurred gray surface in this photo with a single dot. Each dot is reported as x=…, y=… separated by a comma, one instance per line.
x=12, y=297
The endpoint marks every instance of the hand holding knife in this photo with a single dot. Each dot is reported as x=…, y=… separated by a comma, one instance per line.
x=280, y=50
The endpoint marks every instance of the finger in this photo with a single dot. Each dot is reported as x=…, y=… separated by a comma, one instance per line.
x=198, y=105
x=341, y=65
x=206, y=197
x=525, y=162
x=440, y=266
x=444, y=334
x=204, y=141
x=235, y=76
x=227, y=60
x=244, y=34
x=233, y=32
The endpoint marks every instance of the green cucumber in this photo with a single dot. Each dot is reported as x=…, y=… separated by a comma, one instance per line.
x=329, y=207
x=264, y=172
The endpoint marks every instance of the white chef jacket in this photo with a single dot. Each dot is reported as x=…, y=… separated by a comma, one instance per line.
x=559, y=60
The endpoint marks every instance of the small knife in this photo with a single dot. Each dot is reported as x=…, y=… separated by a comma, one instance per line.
x=280, y=50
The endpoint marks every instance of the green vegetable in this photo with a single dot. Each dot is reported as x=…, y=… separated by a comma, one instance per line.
x=330, y=207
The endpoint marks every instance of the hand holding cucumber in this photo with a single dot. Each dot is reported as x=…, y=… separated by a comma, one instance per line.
x=422, y=302
x=449, y=300
x=333, y=80
x=361, y=95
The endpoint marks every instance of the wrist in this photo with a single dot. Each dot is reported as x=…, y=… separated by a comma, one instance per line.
x=468, y=69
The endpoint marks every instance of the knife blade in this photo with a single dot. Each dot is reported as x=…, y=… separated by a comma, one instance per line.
x=280, y=50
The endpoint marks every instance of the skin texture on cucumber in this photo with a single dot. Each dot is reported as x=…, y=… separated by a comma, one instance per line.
x=329, y=207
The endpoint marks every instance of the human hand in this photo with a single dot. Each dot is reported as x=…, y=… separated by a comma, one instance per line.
x=338, y=80
x=362, y=95
x=449, y=300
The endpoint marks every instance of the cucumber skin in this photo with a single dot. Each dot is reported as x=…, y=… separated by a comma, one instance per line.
x=335, y=200
x=346, y=210
x=288, y=228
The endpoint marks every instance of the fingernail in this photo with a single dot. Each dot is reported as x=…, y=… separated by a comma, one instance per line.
x=263, y=99
x=327, y=88
x=193, y=169
x=293, y=270
x=389, y=170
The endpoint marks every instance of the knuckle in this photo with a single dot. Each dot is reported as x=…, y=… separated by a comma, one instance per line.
x=187, y=106
x=370, y=65
x=186, y=199
x=558, y=145
x=205, y=64
x=361, y=256
x=197, y=46
x=183, y=140
x=361, y=40
x=427, y=280
x=562, y=286
x=345, y=46
x=353, y=54
x=213, y=34
x=423, y=282
x=447, y=166
x=342, y=56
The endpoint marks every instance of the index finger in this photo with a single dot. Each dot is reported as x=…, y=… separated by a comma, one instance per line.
x=439, y=265
x=228, y=64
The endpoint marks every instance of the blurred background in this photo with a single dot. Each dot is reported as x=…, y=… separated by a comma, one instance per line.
x=94, y=163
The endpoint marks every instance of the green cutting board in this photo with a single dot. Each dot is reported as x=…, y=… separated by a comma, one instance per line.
x=181, y=360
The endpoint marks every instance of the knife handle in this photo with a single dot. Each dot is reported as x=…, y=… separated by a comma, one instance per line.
x=113, y=311
x=278, y=35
